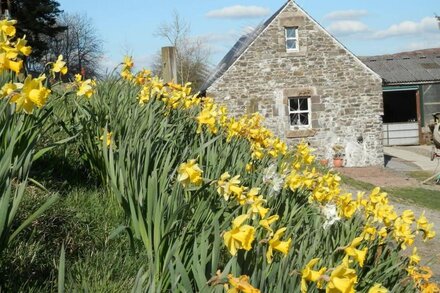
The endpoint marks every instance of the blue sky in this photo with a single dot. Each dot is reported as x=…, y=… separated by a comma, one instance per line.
x=366, y=27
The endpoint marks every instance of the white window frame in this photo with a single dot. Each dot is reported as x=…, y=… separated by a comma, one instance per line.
x=299, y=111
x=296, y=49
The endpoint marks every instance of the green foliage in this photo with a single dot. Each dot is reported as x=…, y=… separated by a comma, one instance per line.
x=18, y=137
x=180, y=229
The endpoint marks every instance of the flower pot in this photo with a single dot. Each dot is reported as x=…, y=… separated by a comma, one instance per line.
x=338, y=162
x=323, y=162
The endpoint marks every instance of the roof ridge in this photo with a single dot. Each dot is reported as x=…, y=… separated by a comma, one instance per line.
x=239, y=48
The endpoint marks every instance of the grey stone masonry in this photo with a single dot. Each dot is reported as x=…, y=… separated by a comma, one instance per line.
x=344, y=96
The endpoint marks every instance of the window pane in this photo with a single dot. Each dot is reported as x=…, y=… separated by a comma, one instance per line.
x=291, y=44
x=293, y=104
x=303, y=104
x=294, y=119
x=304, y=118
x=291, y=32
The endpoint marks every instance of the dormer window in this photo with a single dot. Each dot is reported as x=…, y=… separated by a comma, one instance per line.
x=291, y=35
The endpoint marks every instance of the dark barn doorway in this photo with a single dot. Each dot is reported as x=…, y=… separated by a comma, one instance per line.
x=401, y=119
x=400, y=106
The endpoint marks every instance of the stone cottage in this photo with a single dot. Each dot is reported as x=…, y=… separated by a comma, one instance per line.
x=307, y=85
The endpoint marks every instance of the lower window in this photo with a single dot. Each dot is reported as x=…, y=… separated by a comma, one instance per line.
x=299, y=112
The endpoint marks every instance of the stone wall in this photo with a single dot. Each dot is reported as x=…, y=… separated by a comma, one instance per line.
x=346, y=98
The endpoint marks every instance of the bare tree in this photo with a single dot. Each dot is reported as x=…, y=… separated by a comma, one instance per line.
x=79, y=44
x=191, y=52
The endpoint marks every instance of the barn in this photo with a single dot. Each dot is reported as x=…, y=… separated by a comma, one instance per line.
x=411, y=93
x=307, y=85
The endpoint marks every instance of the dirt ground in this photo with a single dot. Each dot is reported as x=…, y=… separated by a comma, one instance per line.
x=385, y=177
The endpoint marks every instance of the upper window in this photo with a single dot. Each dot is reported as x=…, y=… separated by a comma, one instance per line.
x=300, y=112
x=291, y=34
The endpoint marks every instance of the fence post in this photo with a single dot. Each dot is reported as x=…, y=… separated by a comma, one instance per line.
x=169, y=64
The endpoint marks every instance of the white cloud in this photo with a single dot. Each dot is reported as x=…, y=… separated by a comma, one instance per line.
x=229, y=36
x=239, y=11
x=347, y=27
x=424, y=44
x=426, y=25
x=346, y=14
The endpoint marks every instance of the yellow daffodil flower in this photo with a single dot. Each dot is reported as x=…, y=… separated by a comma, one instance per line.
x=414, y=258
x=86, y=87
x=357, y=254
x=32, y=94
x=402, y=233
x=240, y=237
x=190, y=173
x=377, y=288
x=241, y=284
x=309, y=275
x=342, y=280
x=276, y=244
x=7, y=89
x=59, y=66
x=425, y=227
x=7, y=64
x=8, y=27
x=265, y=223
x=229, y=187
x=108, y=140
x=408, y=217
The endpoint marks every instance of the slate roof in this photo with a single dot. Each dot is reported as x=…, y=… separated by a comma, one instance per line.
x=240, y=46
x=421, y=66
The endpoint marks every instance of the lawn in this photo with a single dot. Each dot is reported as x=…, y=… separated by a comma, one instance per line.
x=424, y=197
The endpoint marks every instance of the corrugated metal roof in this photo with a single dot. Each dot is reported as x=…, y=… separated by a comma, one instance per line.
x=240, y=46
x=420, y=66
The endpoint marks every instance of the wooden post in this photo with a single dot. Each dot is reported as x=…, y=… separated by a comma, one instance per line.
x=419, y=117
x=169, y=64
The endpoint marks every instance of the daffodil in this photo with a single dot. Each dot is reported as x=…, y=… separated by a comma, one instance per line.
x=190, y=173
x=408, y=217
x=276, y=244
x=257, y=205
x=402, y=233
x=241, y=284
x=414, y=258
x=377, y=288
x=240, y=236
x=265, y=223
x=86, y=87
x=208, y=117
x=425, y=227
x=8, y=64
x=108, y=138
x=20, y=46
x=59, y=66
x=309, y=275
x=32, y=94
x=7, y=89
x=342, y=280
x=8, y=27
x=358, y=254
x=229, y=187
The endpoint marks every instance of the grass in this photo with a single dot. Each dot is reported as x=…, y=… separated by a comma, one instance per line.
x=420, y=175
x=420, y=196
x=82, y=220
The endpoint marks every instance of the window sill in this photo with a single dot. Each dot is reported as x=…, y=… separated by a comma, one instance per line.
x=300, y=133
